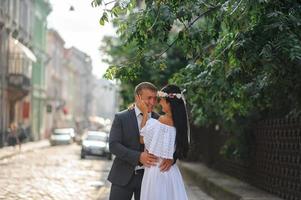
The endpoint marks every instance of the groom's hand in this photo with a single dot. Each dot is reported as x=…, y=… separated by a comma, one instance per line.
x=166, y=164
x=148, y=159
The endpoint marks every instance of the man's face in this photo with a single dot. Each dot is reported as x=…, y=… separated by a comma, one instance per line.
x=149, y=97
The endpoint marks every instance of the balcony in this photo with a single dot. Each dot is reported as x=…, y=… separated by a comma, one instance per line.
x=19, y=76
x=19, y=70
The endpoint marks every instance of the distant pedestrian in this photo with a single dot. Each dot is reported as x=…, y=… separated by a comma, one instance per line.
x=22, y=133
x=12, y=138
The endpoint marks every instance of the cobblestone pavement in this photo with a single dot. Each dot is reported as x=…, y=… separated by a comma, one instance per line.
x=58, y=173
x=54, y=173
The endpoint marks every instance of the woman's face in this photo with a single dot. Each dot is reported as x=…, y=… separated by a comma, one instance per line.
x=165, y=105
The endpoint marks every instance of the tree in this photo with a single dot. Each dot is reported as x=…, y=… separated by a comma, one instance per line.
x=131, y=73
x=244, y=56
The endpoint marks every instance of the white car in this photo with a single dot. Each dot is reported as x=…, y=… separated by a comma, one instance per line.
x=61, y=136
x=96, y=143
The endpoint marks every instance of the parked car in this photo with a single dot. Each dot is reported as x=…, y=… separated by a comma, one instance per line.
x=96, y=143
x=72, y=132
x=61, y=136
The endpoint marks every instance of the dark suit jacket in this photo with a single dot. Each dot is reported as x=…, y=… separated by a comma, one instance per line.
x=124, y=144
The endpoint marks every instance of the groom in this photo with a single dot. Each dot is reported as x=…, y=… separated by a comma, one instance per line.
x=128, y=166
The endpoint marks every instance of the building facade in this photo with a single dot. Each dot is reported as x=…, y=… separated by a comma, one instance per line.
x=68, y=85
x=78, y=85
x=32, y=94
x=55, y=80
x=105, y=99
x=38, y=109
x=17, y=58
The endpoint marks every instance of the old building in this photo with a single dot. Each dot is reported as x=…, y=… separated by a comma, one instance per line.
x=105, y=99
x=78, y=86
x=55, y=79
x=17, y=58
x=39, y=30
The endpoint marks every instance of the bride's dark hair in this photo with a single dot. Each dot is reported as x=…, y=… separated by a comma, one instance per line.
x=179, y=118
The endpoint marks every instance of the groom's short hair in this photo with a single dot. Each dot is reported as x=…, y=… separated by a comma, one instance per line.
x=145, y=85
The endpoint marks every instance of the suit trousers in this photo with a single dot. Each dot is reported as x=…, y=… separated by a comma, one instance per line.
x=126, y=192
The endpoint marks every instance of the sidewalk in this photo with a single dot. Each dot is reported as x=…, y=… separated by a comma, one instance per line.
x=9, y=151
x=221, y=186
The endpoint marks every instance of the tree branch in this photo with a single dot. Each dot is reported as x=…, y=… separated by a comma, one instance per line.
x=190, y=24
x=158, y=13
x=110, y=2
x=183, y=23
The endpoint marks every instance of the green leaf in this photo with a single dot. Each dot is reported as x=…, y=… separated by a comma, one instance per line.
x=117, y=10
x=96, y=3
x=103, y=19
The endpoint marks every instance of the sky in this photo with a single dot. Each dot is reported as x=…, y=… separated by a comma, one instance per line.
x=80, y=28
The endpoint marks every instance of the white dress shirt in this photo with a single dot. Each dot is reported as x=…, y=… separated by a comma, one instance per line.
x=139, y=120
x=140, y=117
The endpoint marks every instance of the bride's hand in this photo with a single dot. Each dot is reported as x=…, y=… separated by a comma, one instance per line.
x=141, y=104
x=148, y=159
x=166, y=164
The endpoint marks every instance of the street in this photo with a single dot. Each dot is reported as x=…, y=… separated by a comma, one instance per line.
x=58, y=173
x=52, y=173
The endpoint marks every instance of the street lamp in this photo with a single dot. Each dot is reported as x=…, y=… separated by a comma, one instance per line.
x=71, y=8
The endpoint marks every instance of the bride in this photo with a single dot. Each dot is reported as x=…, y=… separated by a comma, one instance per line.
x=163, y=138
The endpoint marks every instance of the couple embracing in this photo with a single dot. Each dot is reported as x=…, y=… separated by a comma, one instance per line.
x=147, y=146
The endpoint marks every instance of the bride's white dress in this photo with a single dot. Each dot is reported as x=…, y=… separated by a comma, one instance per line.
x=159, y=139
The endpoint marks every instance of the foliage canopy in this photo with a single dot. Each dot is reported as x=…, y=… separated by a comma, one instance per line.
x=238, y=59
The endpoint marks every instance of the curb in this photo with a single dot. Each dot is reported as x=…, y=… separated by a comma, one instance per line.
x=8, y=151
x=222, y=186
